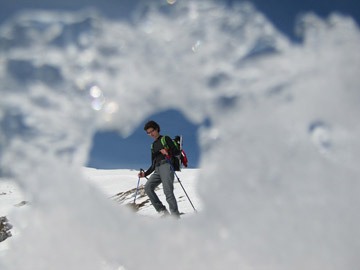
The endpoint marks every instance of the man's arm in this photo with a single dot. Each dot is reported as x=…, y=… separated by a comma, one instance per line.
x=152, y=167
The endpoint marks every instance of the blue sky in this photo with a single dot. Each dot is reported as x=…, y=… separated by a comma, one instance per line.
x=110, y=151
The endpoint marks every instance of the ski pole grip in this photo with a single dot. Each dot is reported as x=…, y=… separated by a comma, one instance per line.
x=142, y=170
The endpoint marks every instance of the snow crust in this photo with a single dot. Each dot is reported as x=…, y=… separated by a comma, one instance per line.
x=279, y=179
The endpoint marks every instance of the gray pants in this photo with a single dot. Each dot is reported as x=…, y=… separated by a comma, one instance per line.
x=163, y=174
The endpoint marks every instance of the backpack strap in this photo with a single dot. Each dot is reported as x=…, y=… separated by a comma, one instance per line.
x=164, y=143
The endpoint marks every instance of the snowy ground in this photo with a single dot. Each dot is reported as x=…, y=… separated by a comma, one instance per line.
x=120, y=185
x=10, y=197
x=117, y=185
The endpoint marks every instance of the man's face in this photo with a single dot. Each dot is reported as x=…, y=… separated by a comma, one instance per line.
x=152, y=132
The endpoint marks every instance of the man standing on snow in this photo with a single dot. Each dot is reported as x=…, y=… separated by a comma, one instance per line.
x=162, y=170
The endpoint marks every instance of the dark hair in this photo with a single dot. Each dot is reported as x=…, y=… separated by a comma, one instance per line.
x=152, y=124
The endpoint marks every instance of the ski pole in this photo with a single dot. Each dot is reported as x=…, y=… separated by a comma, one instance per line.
x=137, y=187
x=136, y=190
x=172, y=168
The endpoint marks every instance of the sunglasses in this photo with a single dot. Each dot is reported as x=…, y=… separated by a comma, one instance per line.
x=151, y=131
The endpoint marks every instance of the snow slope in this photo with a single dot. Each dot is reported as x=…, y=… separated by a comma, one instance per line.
x=120, y=186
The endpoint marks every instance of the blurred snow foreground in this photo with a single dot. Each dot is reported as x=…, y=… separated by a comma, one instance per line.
x=279, y=178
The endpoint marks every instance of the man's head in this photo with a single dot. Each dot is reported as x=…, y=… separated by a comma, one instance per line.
x=152, y=128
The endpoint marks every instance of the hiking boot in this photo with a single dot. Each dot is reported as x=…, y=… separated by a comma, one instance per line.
x=175, y=215
x=164, y=213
